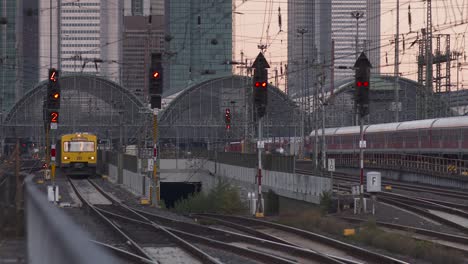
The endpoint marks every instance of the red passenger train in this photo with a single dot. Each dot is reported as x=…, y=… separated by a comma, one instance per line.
x=447, y=137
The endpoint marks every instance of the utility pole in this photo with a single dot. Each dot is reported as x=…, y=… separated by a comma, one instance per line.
x=302, y=31
x=50, y=32
x=397, y=64
x=260, y=95
x=324, y=154
x=429, y=90
x=155, y=90
x=19, y=187
x=357, y=15
x=316, y=127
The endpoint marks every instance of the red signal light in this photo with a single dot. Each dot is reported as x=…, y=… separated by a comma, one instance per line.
x=156, y=74
x=359, y=84
x=366, y=84
x=52, y=76
x=261, y=84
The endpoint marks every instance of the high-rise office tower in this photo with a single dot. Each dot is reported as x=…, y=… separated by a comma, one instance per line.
x=140, y=39
x=18, y=50
x=322, y=21
x=198, y=42
x=344, y=34
x=309, y=42
x=143, y=7
x=84, y=36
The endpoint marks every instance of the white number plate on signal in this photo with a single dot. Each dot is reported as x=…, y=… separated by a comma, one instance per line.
x=260, y=144
x=362, y=144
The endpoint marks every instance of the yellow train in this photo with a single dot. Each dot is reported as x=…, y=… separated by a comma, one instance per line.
x=78, y=153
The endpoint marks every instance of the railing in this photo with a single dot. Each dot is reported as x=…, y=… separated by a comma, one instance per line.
x=53, y=237
x=411, y=163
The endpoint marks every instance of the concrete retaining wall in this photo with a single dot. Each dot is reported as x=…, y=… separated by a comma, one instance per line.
x=296, y=186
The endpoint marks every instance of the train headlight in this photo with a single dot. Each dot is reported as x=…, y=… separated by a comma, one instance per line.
x=92, y=157
x=65, y=158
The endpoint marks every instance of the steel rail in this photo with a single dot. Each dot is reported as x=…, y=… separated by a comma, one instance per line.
x=194, y=251
x=123, y=253
x=348, y=248
x=139, y=250
x=268, y=258
x=287, y=248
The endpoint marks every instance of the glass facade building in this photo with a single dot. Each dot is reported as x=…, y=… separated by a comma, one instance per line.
x=10, y=90
x=18, y=50
x=326, y=20
x=85, y=37
x=139, y=37
x=198, y=42
x=310, y=48
x=344, y=33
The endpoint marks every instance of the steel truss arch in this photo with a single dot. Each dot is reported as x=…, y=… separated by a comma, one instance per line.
x=89, y=103
x=197, y=113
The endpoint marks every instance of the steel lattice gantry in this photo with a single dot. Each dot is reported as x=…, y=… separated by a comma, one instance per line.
x=88, y=104
x=196, y=115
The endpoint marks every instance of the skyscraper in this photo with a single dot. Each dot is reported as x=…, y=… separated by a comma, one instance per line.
x=18, y=46
x=84, y=36
x=140, y=39
x=344, y=34
x=309, y=42
x=143, y=7
x=198, y=42
x=324, y=20
x=30, y=44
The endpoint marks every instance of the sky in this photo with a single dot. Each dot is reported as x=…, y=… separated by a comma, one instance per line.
x=256, y=21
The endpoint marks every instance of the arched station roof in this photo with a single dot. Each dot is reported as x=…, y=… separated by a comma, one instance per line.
x=197, y=113
x=89, y=103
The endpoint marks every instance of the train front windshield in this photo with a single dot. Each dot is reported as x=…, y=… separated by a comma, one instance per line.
x=81, y=146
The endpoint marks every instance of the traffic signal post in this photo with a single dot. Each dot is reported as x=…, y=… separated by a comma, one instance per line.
x=52, y=106
x=260, y=95
x=362, y=84
x=51, y=109
x=155, y=93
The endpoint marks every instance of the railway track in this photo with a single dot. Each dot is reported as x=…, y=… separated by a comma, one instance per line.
x=450, y=216
x=449, y=213
x=250, y=239
x=136, y=249
x=134, y=235
x=246, y=246
x=357, y=254
x=125, y=255
x=413, y=187
x=452, y=242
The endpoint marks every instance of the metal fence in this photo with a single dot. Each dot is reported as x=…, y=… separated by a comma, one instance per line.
x=269, y=162
x=411, y=163
x=53, y=237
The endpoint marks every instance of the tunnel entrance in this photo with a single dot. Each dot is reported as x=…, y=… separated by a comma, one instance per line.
x=174, y=191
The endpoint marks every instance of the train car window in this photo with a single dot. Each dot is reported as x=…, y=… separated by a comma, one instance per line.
x=78, y=146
